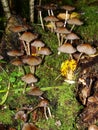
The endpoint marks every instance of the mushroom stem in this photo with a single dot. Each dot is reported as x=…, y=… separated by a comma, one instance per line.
x=52, y=12
x=32, y=69
x=72, y=27
x=71, y=57
x=25, y=47
x=49, y=12
x=41, y=20
x=79, y=57
x=28, y=49
x=49, y=112
x=45, y=113
x=58, y=37
x=66, y=18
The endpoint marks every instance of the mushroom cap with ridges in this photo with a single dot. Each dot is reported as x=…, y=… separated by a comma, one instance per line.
x=14, y=53
x=37, y=43
x=44, y=51
x=35, y=91
x=72, y=36
x=67, y=48
x=67, y=7
x=63, y=16
x=28, y=37
x=51, y=18
x=62, y=30
x=29, y=78
x=16, y=62
x=75, y=21
x=86, y=48
x=32, y=60
x=50, y=7
x=29, y=126
x=18, y=28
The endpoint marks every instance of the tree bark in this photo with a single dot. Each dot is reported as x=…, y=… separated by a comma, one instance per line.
x=6, y=8
x=31, y=5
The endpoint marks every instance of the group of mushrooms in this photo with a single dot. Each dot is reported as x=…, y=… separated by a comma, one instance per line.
x=33, y=50
x=31, y=53
x=63, y=24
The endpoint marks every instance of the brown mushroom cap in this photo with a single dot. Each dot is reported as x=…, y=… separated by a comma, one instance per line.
x=44, y=51
x=62, y=30
x=75, y=21
x=67, y=48
x=28, y=37
x=16, y=62
x=37, y=43
x=43, y=103
x=51, y=18
x=93, y=127
x=86, y=48
x=59, y=24
x=35, y=91
x=14, y=53
x=72, y=36
x=29, y=78
x=32, y=60
x=29, y=126
x=67, y=7
x=50, y=7
x=17, y=29
x=63, y=16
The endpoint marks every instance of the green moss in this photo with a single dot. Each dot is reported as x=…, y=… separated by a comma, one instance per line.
x=6, y=116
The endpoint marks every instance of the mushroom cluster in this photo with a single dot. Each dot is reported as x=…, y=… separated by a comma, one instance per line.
x=30, y=53
x=63, y=23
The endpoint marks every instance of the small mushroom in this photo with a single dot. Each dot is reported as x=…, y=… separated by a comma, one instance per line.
x=29, y=126
x=51, y=19
x=71, y=37
x=14, y=53
x=37, y=44
x=16, y=62
x=21, y=115
x=67, y=48
x=85, y=48
x=35, y=91
x=32, y=61
x=73, y=22
x=44, y=51
x=29, y=78
x=45, y=104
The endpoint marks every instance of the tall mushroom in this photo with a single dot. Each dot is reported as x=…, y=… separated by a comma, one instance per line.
x=27, y=37
x=61, y=31
x=73, y=22
x=39, y=8
x=67, y=8
x=51, y=19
